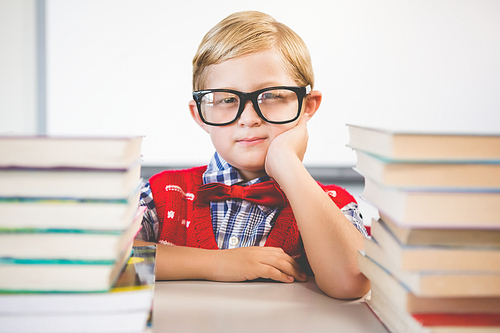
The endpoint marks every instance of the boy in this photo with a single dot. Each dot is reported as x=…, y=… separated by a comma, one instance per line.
x=251, y=80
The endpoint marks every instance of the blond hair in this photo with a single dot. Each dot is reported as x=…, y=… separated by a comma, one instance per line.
x=249, y=32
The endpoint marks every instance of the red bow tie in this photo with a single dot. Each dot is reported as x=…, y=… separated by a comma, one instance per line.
x=266, y=193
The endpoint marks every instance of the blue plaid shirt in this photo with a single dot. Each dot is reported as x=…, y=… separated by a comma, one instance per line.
x=236, y=223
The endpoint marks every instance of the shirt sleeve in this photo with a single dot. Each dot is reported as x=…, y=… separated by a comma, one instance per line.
x=352, y=213
x=149, y=230
x=347, y=205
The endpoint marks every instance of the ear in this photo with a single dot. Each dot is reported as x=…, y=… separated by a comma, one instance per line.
x=311, y=103
x=196, y=116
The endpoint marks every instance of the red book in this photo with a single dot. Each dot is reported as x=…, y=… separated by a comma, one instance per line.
x=400, y=321
x=455, y=319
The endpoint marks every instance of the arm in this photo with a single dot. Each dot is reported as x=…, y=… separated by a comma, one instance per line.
x=240, y=264
x=330, y=240
x=183, y=263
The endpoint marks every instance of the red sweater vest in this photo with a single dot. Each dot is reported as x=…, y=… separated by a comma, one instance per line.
x=184, y=221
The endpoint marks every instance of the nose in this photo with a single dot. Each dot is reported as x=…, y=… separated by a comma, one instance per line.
x=249, y=117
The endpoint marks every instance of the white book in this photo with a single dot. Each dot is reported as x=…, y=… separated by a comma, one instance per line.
x=68, y=244
x=443, y=209
x=69, y=151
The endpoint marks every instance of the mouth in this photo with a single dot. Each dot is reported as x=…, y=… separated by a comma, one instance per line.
x=253, y=141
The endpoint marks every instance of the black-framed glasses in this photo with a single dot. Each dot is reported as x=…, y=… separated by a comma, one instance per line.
x=276, y=105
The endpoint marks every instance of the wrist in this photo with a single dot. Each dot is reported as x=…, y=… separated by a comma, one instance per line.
x=209, y=265
x=279, y=161
x=285, y=168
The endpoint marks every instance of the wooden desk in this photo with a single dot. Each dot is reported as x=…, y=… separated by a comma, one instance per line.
x=203, y=306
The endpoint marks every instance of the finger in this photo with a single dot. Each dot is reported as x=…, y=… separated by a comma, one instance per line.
x=303, y=119
x=290, y=269
x=270, y=272
x=280, y=252
x=286, y=265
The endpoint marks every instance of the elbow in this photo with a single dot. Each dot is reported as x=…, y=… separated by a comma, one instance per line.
x=345, y=289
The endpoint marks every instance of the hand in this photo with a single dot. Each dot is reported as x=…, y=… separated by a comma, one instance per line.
x=250, y=263
x=289, y=144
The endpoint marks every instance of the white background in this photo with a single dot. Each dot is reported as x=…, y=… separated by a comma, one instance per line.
x=124, y=68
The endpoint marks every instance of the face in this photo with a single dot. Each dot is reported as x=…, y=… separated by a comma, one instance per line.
x=244, y=143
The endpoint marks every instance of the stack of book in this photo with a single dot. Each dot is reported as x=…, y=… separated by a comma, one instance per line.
x=69, y=211
x=127, y=307
x=434, y=256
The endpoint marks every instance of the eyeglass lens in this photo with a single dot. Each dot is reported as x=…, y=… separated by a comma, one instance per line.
x=277, y=105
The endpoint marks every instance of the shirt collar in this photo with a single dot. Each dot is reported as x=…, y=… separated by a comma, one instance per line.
x=219, y=171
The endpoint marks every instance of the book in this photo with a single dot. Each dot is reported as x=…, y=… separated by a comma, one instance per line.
x=469, y=321
x=400, y=321
x=68, y=244
x=434, y=256
x=443, y=258
x=125, y=308
x=428, y=175
x=69, y=152
x=442, y=236
x=70, y=183
x=418, y=146
x=59, y=275
x=122, y=322
x=436, y=283
x=88, y=214
x=400, y=296
x=435, y=209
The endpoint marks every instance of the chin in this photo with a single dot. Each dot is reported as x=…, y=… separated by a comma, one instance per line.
x=258, y=169
x=250, y=168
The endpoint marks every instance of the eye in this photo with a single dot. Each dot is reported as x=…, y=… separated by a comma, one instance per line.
x=270, y=95
x=224, y=99
x=227, y=100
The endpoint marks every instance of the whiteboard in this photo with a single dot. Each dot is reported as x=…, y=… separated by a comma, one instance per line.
x=123, y=67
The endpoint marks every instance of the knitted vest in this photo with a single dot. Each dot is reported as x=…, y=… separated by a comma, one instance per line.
x=184, y=221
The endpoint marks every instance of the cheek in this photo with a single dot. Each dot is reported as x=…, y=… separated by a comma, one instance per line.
x=219, y=138
x=279, y=129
